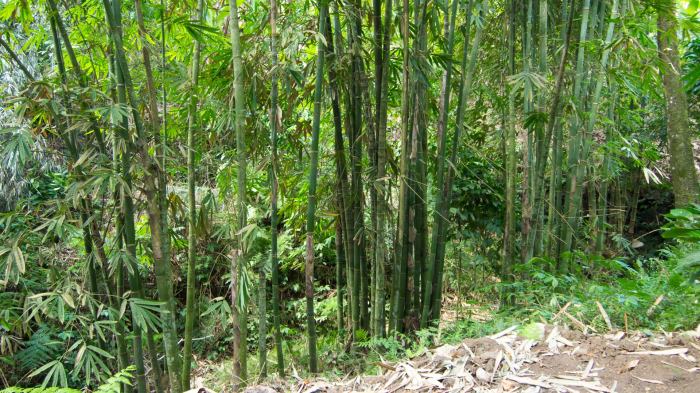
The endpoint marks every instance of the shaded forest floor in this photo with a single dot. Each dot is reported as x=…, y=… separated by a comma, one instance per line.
x=533, y=358
x=562, y=333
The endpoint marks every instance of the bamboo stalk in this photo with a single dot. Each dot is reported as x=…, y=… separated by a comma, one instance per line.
x=313, y=174
x=192, y=208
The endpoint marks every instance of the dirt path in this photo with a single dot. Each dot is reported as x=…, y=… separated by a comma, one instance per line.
x=556, y=361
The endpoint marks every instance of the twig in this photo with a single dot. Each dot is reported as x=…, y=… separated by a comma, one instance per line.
x=651, y=309
x=562, y=310
x=665, y=352
x=529, y=381
x=576, y=321
x=605, y=315
x=582, y=384
x=588, y=369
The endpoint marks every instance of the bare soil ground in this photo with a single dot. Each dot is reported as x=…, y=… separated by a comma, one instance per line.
x=551, y=359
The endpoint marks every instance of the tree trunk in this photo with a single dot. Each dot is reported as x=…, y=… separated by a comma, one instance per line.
x=683, y=176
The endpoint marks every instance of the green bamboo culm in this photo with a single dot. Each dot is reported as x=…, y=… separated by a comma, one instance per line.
x=162, y=265
x=464, y=95
x=192, y=208
x=537, y=246
x=382, y=185
x=541, y=140
x=398, y=297
x=585, y=135
x=527, y=187
x=418, y=181
x=510, y=159
x=274, y=261
x=240, y=353
x=340, y=181
x=113, y=279
x=161, y=135
x=127, y=207
x=574, y=143
x=155, y=131
x=439, y=221
x=555, y=129
x=344, y=254
x=358, y=91
x=313, y=175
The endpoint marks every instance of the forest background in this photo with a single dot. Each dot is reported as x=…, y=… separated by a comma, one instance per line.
x=321, y=183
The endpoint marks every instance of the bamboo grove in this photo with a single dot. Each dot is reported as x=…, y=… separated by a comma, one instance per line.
x=230, y=157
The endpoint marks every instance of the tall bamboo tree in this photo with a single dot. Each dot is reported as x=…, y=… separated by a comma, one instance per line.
x=381, y=182
x=155, y=123
x=274, y=261
x=313, y=175
x=192, y=207
x=238, y=308
x=574, y=140
x=162, y=265
x=341, y=192
x=439, y=221
x=510, y=154
x=464, y=95
x=402, y=246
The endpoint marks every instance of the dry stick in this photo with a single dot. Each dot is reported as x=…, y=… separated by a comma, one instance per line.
x=588, y=369
x=651, y=309
x=576, y=321
x=529, y=381
x=605, y=315
x=561, y=311
x=665, y=352
x=588, y=385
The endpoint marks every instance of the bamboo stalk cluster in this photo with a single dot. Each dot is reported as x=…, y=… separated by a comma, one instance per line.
x=392, y=198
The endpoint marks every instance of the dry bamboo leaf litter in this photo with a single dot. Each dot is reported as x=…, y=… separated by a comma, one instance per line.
x=507, y=363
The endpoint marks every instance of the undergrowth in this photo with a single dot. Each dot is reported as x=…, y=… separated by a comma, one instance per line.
x=644, y=294
x=648, y=294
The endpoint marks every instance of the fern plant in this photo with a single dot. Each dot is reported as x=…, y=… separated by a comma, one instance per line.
x=41, y=348
x=117, y=382
x=684, y=226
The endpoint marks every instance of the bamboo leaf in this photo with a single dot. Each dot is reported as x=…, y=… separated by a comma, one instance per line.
x=100, y=351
